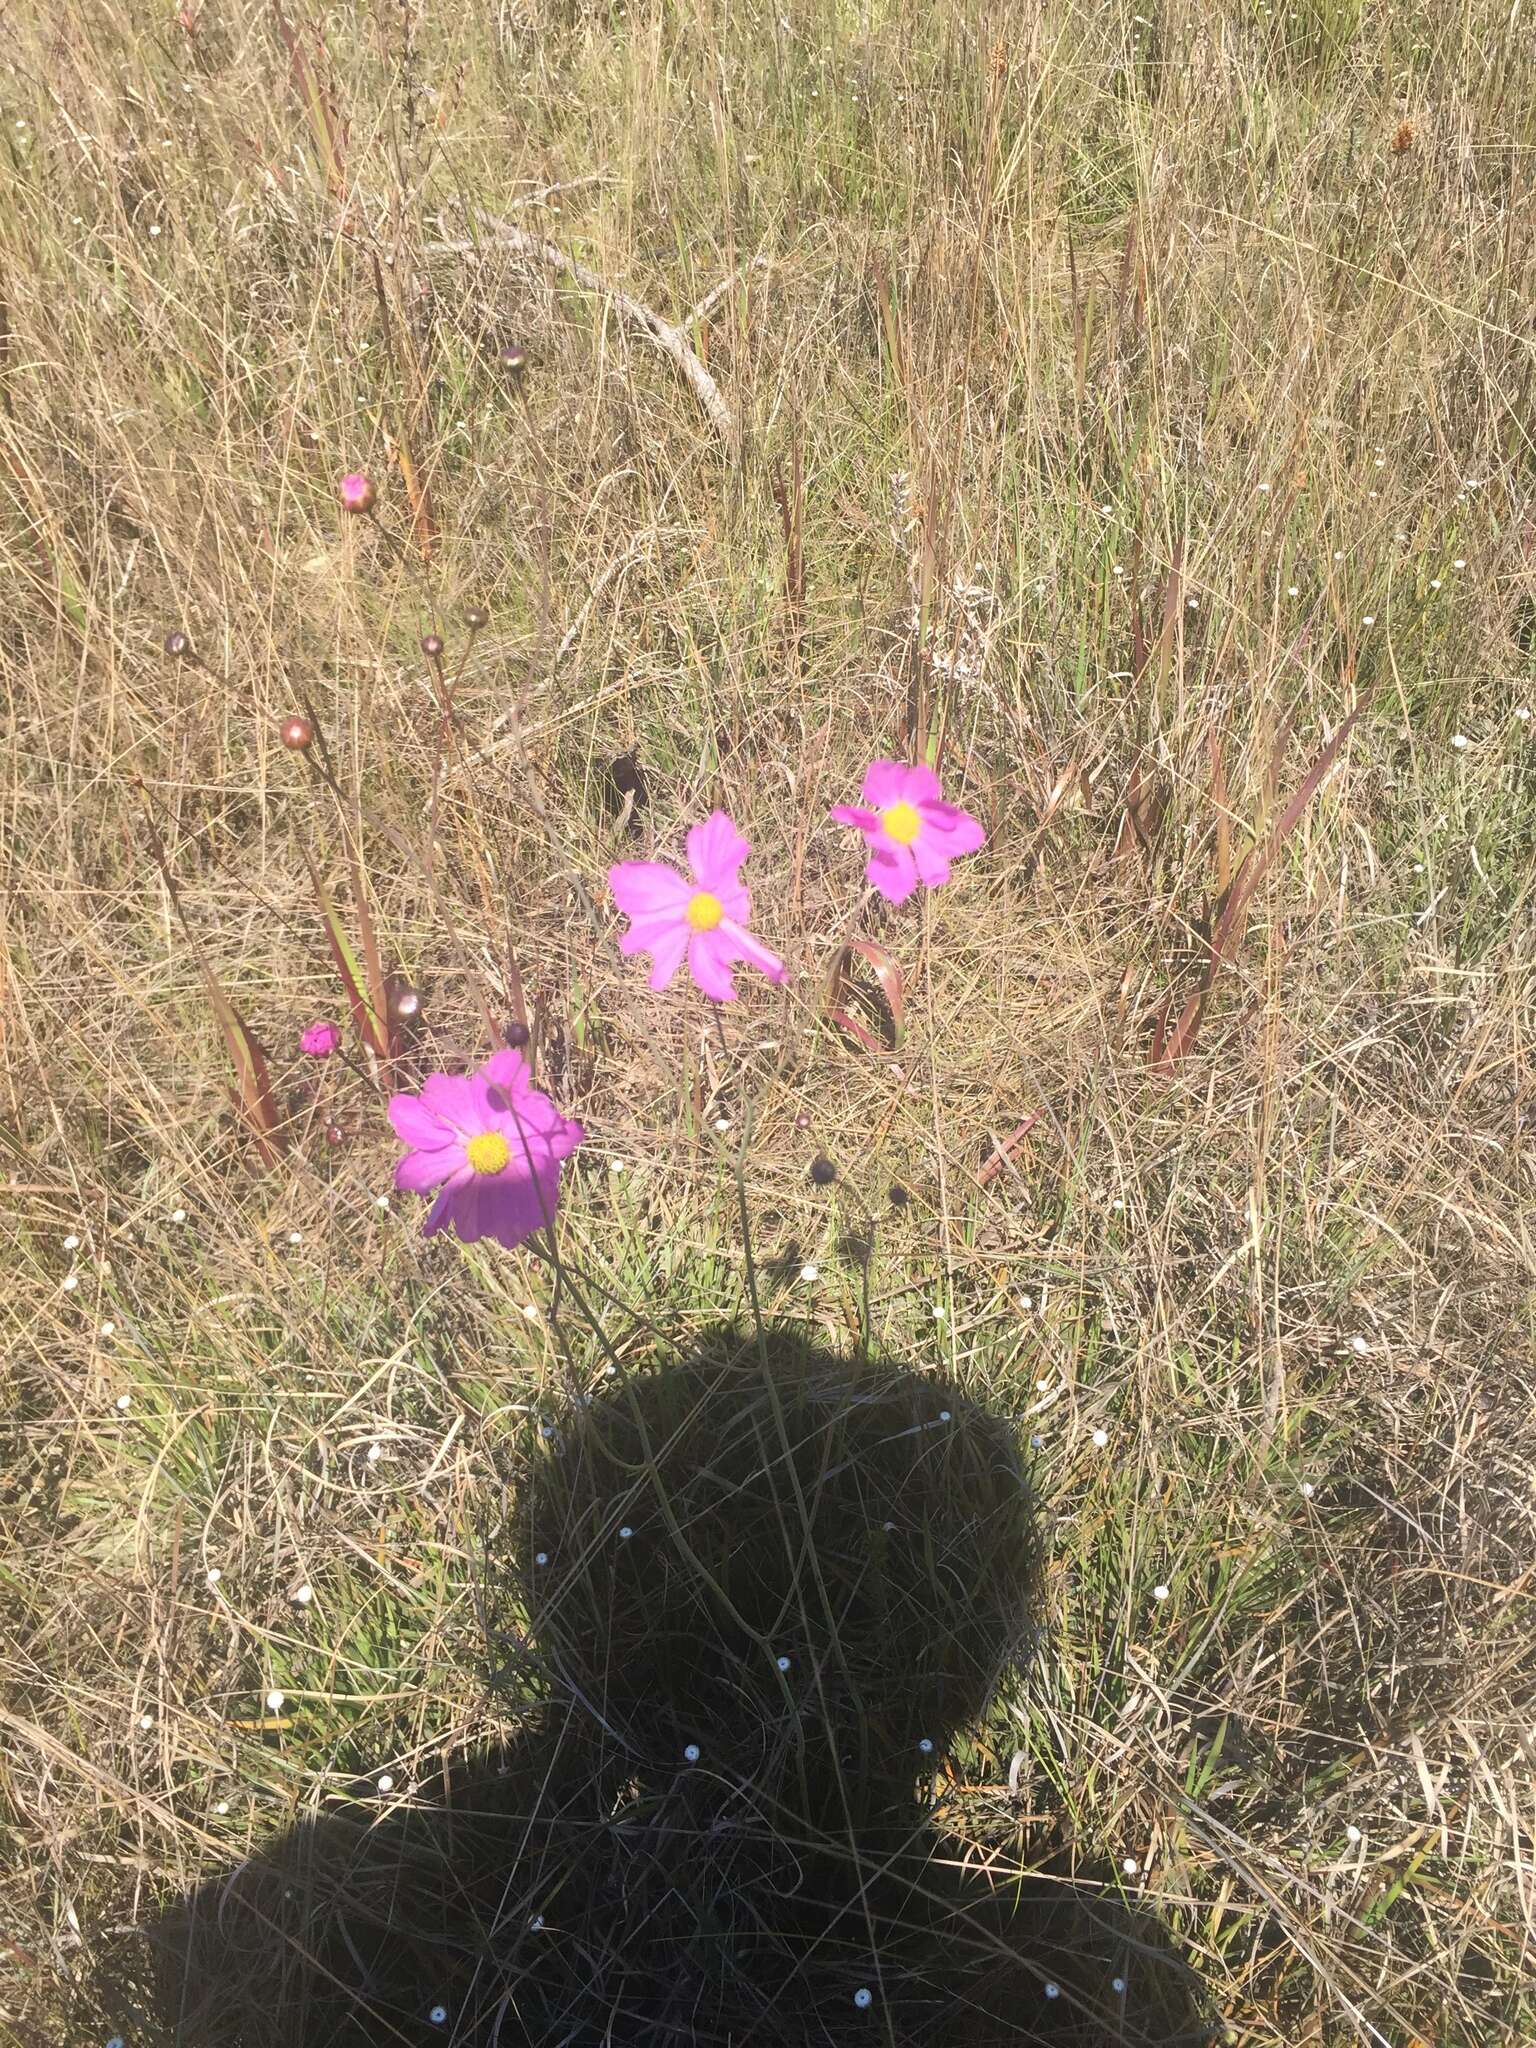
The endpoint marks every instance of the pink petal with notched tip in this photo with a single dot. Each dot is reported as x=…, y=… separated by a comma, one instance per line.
x=897, y=782
x=744, y=947
x=666, y=950
x=857, y=816
x=892, y=870
x=417, y=1125
x=709, y=962
x=418, y=1172
x=645, y=889
x=956, y=831
x=715, y=851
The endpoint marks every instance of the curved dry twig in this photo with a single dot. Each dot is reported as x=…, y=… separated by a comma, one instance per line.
x=672, y=341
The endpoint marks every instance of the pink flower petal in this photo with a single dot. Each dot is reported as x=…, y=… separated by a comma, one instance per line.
x=753, y=951
x=709, y=962
x=644, y=888
x=857, y=816
x=715, y=852
x=897, y=782
x=416, y=1124
x=892, y=871
x=455, y=1099
x=514, y=1206
x=956, y=831
x=418, y=1172
x=931, y=862
x=666, y=951
x=456, y=1193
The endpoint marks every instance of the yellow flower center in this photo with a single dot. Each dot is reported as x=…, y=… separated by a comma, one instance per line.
x=704, y=911
x=487, y=1152
x=902, y=823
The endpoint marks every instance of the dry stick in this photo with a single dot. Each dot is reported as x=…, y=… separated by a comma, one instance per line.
x=672, y=341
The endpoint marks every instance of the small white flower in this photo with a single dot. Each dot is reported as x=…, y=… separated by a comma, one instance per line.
x=1370, y=619
x=531, y=1311
x=108, y=1327
x=146, y=1720
x=1194, y=604
x=1263, y=490
x=722, y=1123
x=615, y=1166
x=438, y=2015
x=691, y=1753
x=72, y=1242
x=1106, y=510
x=295, y=1237
x=275, y=1701
x=1159, y=1593
x=536, y=1924
x=124, y=1403
x=1460, y=562
x=1351, y=1833
x=1460, y=740
x=1036, y=1441
x=944, y=1415
x=925, y=1746
x=625, y=1533
x=1117, y=570
x=1381, y=462
x=385, y=1781
x=1523, y=714
x=938, y=1312
x=116, y=2042
x=1307, y=1489
x=1026, y=1301
x=1053, y=1991
x=863, y=1998
x=1100, y=1439
x=1434, y=582
x=214, y=1575
x=1293, y=590
x=154, y=227
x=1338, y=554
x=178, y=1215
x=541, y=1557
x=302, y=1595
x=221, y=1806
x=375, y=1452
x=1117, y=1204
x=71, y=1282
x=1117, y=1985
x=1130, y=1866
x=782, y=1662
x=809, y=1273
x=381, y=1201
x=1359, y=1344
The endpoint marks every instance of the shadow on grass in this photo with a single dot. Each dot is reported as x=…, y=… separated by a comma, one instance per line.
x=768, y=1590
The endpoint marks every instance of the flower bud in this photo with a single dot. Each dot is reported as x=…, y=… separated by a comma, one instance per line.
x=823, y=1172
x=514, y=359
x=335, y=1135
x=357, y=492
x=432, y=646
x=178, y=646
x=477, y=618
x=404, y=1001
x=515, y=1034
x=296, y=733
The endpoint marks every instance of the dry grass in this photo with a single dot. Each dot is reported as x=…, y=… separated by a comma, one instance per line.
x=1124, y=398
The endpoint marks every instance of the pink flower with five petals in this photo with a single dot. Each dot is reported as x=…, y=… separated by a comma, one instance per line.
x=913, y=835
x=491, y=1143
x=705, y=918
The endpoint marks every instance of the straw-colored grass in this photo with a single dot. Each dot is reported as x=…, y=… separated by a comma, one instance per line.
x=1118, y=399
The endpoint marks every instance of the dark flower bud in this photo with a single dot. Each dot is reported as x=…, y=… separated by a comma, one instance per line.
x=899, y=1195
x=823, y=1172
x=404, y=1000
x=297, y=733
x=477, y=618
x=514, y=359
x=432, y=646
x=335, y=1135
x=178, y=646
x=803, y=1120
x=516, y=1035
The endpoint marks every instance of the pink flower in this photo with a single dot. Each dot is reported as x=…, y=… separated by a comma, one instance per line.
x=705, y=918
x=357, y=492
x=913, y=835
x=320, y=1039
x=491, y=1143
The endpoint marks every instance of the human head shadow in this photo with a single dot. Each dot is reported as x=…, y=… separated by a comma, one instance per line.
x=769, y=1588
